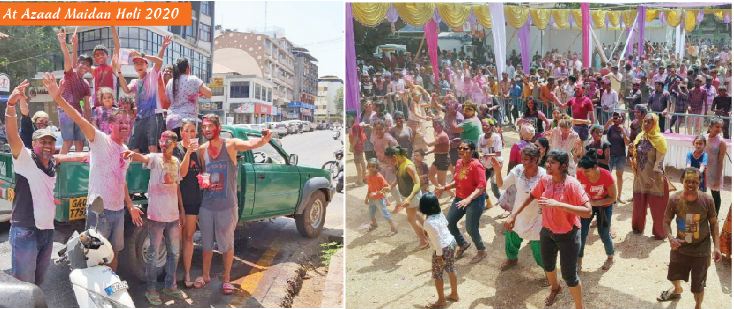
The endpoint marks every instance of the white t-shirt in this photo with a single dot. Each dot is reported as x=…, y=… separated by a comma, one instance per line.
x=183, y=105
x=609, y=100
x=529, y=222
x=489, y=146
x=163, y=188
x=437, y=229
x=107, y=171
x=42, y=189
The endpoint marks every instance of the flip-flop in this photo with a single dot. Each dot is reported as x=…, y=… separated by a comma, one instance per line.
x=227, y=288
x=153, y=298
x=200, y=283
x=178, y=294
x=461, y=250
x=667, y=295
x=552, y=297
x=189, y=284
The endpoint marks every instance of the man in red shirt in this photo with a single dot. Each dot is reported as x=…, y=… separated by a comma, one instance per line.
x=581, y=108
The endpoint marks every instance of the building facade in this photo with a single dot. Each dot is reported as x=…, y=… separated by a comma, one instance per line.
x=307, y=76
x=327, y=104
x=243, y=98
x=265, y=56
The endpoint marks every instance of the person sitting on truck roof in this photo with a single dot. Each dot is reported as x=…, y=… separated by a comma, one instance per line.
x=165, y=214
x=218, y=212
x=107, y=169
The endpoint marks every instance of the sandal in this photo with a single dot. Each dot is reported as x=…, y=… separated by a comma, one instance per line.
x=227, y=288
x=153, y=298
x=372, y=227
x=667, y=295
x=175, y=293
x=200, y=283
x=481, y=254
x=460, y=251
x=189, y=284
x=552, y=297
x=508, y=264
x=436, y=305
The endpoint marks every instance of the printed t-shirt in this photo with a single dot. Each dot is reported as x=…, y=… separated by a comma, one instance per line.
x=375, y=184
x=163, y=188
x=596, y=190
x=692, y=222
x=146, y=94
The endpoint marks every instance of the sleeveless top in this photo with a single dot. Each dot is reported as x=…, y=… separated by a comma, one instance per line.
x=222, y=192
x=405, y=182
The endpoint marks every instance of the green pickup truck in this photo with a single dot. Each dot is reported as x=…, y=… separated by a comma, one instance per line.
x=270, y=184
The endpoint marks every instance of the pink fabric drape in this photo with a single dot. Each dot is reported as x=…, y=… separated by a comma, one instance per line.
x=585, y=40
x=430, y=31
x=523, y=36
x=352, y=82
x=641, y=13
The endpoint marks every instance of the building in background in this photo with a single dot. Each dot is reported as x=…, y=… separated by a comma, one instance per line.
x=243, y=98
x=307, y=75
x=259, y=55
x=329, y=94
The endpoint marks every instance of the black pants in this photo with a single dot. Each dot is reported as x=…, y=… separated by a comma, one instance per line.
x=568, y=245
x=661, y=123
x=489, y=173
x=717, y=200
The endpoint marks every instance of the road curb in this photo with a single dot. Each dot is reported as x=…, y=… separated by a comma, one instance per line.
x=333, y=295
x=272, y=293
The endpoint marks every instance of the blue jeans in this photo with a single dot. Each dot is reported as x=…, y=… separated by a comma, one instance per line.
x=603, y=225
x=31, y=253
x=157, y=232
x=382, y=204
x=473, y=213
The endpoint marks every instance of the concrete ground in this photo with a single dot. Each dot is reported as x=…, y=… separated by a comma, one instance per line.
x=389, y=272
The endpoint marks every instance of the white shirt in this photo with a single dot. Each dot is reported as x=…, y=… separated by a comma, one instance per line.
x=42, y=189
x=489, y=145
x=529, y=222
x=437, y=229
x=163, y=188
x=107, y=171
x=609, y=100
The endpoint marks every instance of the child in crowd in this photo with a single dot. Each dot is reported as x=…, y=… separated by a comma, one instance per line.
x=165, y=214
x=101, y=114
x=422, y=168
x=443, y=246
x=377, y=187
x=698, y=158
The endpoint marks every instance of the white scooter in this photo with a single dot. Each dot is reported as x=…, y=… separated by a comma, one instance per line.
x=95, y=284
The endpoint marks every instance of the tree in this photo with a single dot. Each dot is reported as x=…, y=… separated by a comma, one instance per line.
x=366, y=39
x=339, y=100
x=26, y=51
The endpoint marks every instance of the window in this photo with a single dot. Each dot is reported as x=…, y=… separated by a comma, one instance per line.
x=267, y=154
x=204, y=9
x=264, y=94
x=239, y=89
x=257, y=91
x=270, y=95
x=205, y=32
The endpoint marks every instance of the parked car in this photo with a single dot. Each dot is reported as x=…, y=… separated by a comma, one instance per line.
x=293, y=126
x=305, y=126
x=278, y=128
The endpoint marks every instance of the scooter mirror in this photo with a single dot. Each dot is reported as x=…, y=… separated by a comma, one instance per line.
x=97, y=206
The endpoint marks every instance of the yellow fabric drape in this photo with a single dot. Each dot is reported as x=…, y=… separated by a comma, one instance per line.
x=540, y=17
x=560, y=16
x=481, y=12
x=576, y=18
x=370, y=14
x=673, y=17
x=651, y=14
x=613, y=18
x=516, y=16
x=598, y=18
x=453, y=14
x=690, y=20
x=628, y=17
x=415, y=14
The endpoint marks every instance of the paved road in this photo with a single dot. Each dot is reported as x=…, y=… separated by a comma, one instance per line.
x=268, y=244
x=389, y=272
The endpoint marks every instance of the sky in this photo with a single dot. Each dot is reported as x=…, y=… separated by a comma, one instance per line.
x=316, y=26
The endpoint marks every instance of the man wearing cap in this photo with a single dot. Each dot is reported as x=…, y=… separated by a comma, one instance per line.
x=29, y=125
x=75, y=90
x=658, y=103
x=696, y=105
x=149, y=94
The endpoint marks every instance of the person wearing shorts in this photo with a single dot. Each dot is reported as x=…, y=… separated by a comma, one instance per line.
x=218, y=212
x=696, y=227
x=409, y=187
x=443, y=247
x=441, y=162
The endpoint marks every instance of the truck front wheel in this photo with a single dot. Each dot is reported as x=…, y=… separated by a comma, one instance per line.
x=136, y=246
x=311, y=221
